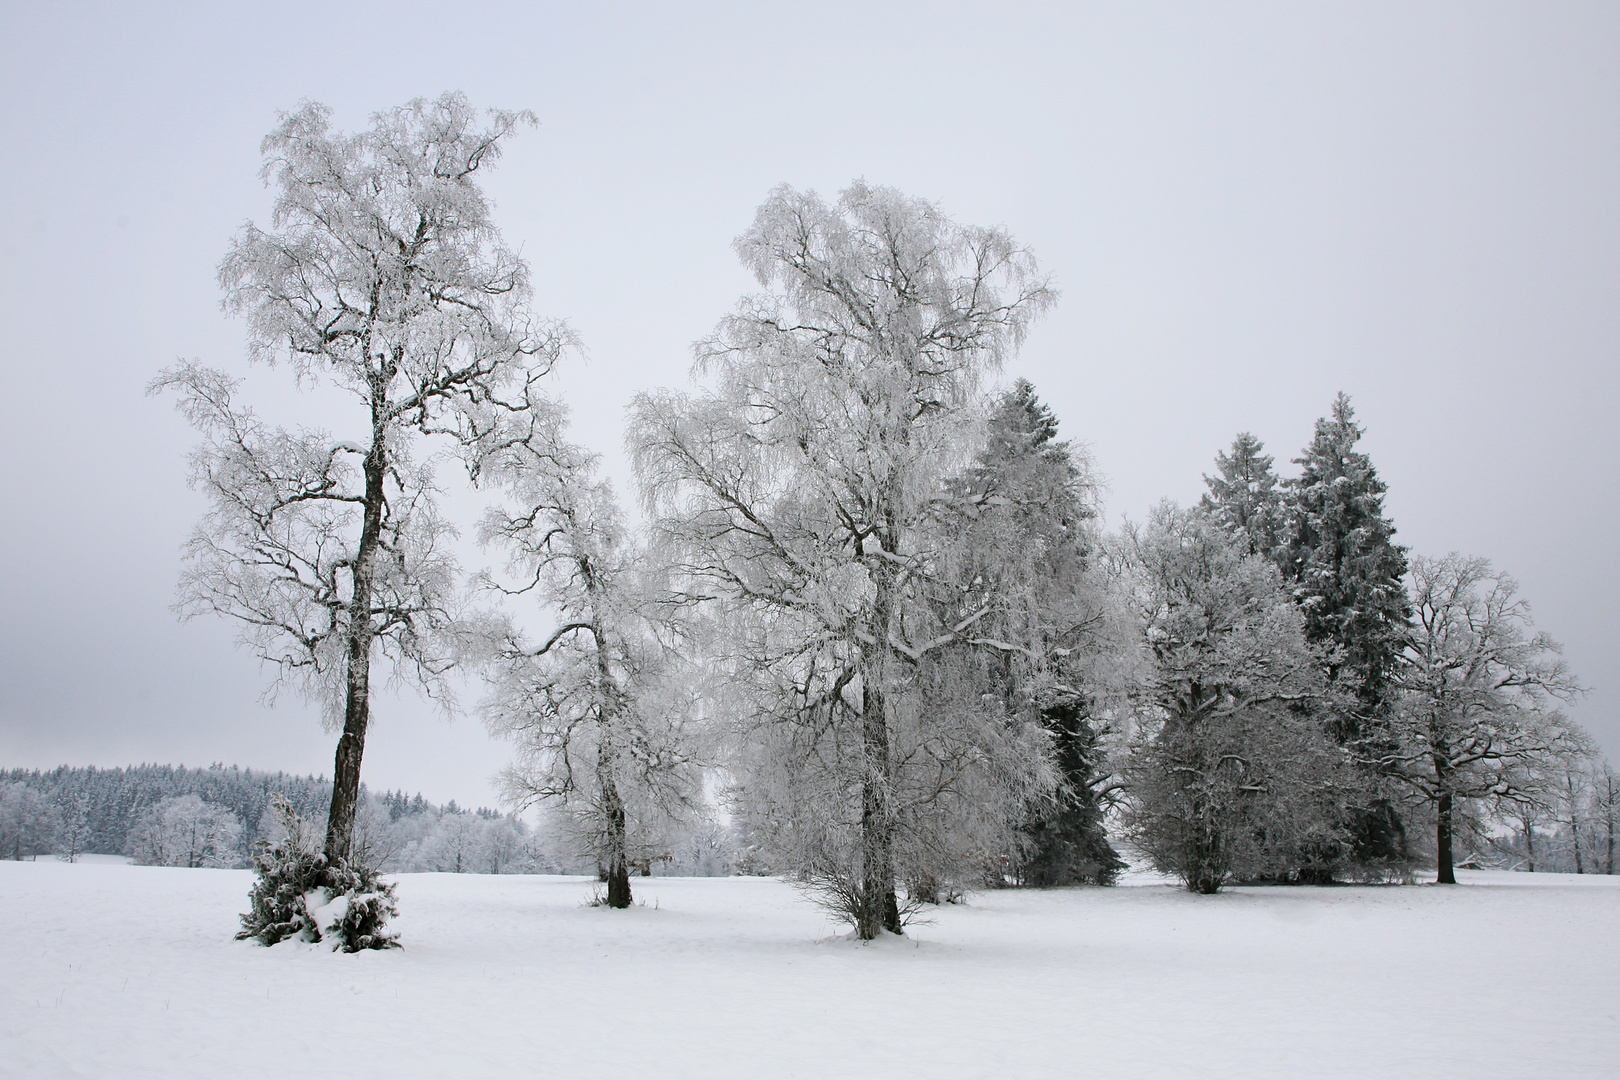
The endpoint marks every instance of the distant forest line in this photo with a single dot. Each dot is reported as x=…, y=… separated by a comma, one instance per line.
x=216, y=816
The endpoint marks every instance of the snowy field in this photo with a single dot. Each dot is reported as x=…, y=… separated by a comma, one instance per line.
x=109, y=970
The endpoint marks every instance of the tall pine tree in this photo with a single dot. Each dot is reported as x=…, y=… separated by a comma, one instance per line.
x=1338, y=556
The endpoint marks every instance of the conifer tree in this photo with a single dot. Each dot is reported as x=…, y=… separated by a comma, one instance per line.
x=1027, y=550
x=1344, y=569
x=1245, y=495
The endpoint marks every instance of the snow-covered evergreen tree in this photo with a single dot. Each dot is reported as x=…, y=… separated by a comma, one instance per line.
x=74, y=835
x=1025, y=539
x=299, y=894
x=1244, y=495
x=1344, y=568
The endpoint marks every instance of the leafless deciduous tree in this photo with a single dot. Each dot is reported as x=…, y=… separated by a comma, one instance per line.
x=1605, y=808
x=1475, y=717
x=28, y=822
x=802, y=488
x=1573, y=782
x=382, y=278
x=600, y=710
x=185, y=831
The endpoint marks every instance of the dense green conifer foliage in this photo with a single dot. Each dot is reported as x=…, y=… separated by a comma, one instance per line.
x=1345, y=571
x=1244, y=495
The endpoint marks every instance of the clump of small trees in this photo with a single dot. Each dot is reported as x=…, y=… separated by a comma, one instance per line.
x=1434, y=693
x=28, y=822
x=185, y=831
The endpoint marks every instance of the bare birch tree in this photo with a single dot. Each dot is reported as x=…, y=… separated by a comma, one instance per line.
x=382, y=278
x=802, y=483
x=599, y=710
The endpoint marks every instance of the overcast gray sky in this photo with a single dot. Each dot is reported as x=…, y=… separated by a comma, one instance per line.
x=1248, y=207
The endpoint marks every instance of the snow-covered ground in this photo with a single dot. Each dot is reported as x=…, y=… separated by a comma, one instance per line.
x=112, y=971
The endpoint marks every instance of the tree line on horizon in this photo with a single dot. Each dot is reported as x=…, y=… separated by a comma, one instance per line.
x=162, y=815
x=871, y=610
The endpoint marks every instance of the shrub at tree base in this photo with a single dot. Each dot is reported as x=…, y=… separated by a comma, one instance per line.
x=301, y=896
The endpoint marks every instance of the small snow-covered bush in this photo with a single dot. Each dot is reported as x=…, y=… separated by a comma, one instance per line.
x=298, y=894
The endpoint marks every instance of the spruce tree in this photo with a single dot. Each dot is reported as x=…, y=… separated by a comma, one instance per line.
x=1037, y=538
x=1340, y=560
x=1068, y=843
x=1245, y=495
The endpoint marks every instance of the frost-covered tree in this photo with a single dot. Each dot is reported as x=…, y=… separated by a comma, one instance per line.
x=1573, y=776
x=801, y=489
x=599, y=709
x=1524, y=814
x=455, y=845
x=1231, y=774
x=74, y=835
x=185, y=831
x=1605, y=807
x=383, y=280
x=28, y=822
x=1244, y=495
x=1475, y=716
x=1339, y=558
x=1021, y=557
x=505, y=846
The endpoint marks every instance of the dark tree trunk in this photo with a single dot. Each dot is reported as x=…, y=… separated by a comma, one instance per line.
x=614, y=859
x=1530, y=847
x=879, y=907
x=357, y=690
x=1446, y=875
x=1575, y=835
